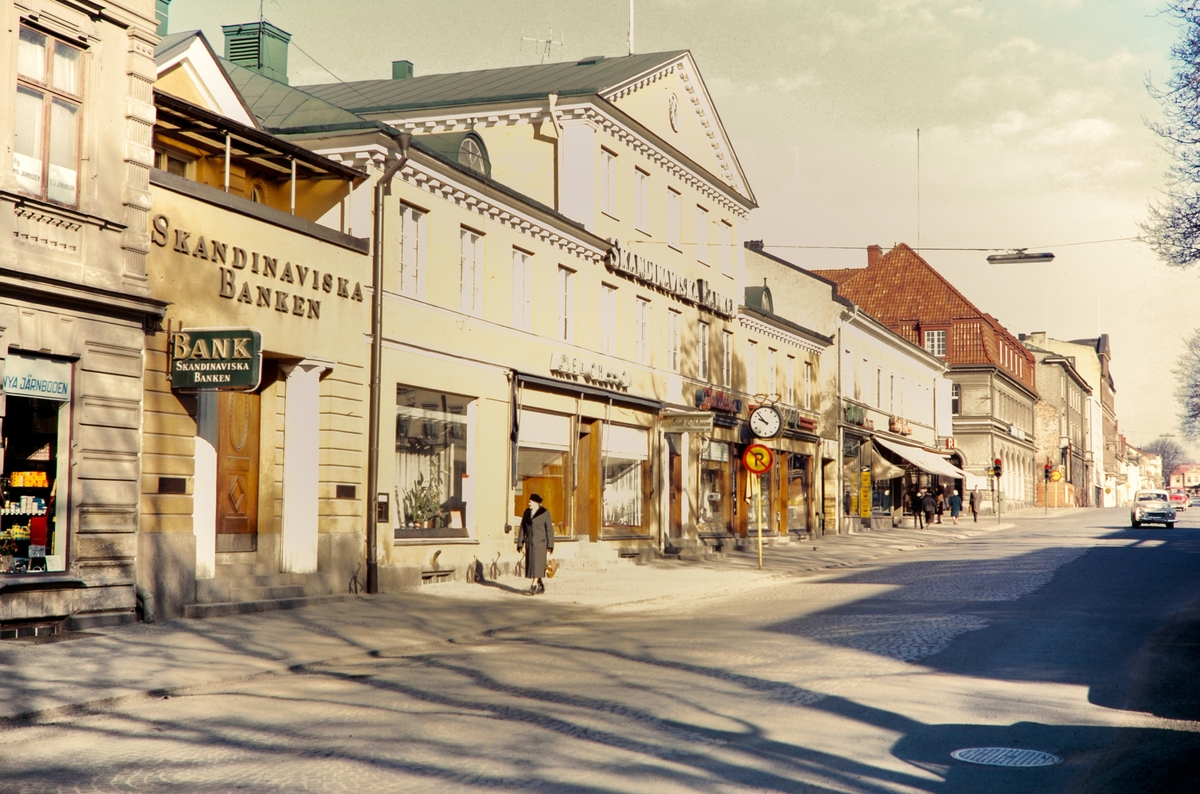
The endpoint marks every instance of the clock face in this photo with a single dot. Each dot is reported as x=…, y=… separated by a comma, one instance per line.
x=765, y=422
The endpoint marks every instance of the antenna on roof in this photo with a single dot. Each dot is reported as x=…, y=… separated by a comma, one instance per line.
x=543, y=44
x=631, y=27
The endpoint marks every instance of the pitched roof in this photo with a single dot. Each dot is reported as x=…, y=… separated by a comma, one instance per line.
x=575, y=78
x=280, y=107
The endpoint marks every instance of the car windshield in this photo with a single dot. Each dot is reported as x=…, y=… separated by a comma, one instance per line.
x=1150, y=497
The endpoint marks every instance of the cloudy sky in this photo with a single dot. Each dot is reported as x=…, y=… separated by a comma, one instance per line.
x=1032, y=116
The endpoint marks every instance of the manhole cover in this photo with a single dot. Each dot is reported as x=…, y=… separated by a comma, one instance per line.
x=1005, y=756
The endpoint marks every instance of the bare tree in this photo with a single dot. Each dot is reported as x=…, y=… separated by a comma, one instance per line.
x=1172, y=455
x=1188, y=389
x=1173, y=228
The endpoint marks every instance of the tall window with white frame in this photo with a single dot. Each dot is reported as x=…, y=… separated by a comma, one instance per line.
x=522, y=289
x=751, y=366
x=608, y=319
x=701, y=235
x=608, y=187
x=566, y=304
x=470, y=273
x=955, y=399
x=727, y=359
x=772, y=380
x=935, y=342
x=412, y=251
x=46, y=136
x=643, y=331
x=726, y=248
x=808, y=386
x=674, y=322
x=702, y=331
x=674, y=219
x=789, y=385
x=641, y=200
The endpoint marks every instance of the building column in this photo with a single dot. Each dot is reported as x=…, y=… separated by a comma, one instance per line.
x=301, y=464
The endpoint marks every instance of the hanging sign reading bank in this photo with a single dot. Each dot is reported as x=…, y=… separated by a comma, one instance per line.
x=37, y=377
x=216, y=359
x=695, y=291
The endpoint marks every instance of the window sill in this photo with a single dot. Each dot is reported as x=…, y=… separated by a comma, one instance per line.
x=609, y=215
x=435, y=542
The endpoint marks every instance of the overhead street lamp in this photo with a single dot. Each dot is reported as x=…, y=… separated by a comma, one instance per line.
x=1019, y=255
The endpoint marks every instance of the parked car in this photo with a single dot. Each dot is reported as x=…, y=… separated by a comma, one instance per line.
x=1152, y=507
x=1178, y=501
x=1194, y=501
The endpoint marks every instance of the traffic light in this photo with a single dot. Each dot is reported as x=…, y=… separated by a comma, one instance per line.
x=997, y=468
x=1046, y=475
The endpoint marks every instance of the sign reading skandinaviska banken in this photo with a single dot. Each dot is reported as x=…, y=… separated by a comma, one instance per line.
x=216, y=359
x=256, y=278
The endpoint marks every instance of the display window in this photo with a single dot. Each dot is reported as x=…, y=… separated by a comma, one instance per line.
x=626, y=477
x=797, y=492
x=543, y=454
x=716, y=496
x=433, y=463
x=33, y=528
x=761, y=503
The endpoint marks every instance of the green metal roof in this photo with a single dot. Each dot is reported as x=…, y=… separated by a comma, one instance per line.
x=575, y=78
x=281, y=108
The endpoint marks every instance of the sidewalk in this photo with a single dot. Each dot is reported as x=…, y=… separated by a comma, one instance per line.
x=75, y=672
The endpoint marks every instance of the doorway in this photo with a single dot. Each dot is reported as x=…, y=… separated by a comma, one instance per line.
x=588, y=463
x=237, y=471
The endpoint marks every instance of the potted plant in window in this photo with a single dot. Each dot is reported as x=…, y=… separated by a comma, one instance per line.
x=422, y=502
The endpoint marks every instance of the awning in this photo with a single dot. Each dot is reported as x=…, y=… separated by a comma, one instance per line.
x=926, y=461
x=882, y=468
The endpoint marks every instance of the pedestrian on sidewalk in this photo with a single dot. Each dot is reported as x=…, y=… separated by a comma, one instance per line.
x=536, y=539
x=928, y=505
x=955, y=506
x=915, y=506
x=974, y=501
x=940, y=502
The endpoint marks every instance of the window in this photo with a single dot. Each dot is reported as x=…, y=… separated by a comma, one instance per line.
x=935, y=342
x=608, y=318
x=46, y=140
x=674, y=320
x=609, y=186
x=178, y=165
x=643, y=331
x=955, y=399
x=891, y=394
x=566, y=304
x=726, y=248
x=542, y=454
x=522, y=290
x=674, y=219
x=433, y=442
x=626, y=476
x=751, y=367
x=641, y=200
x=714, y=509
x=702, y=331
x=789, y=380
x=772, y=382
x=879, y=388
x=412, y=251
x=702, y=235
x=726, y=359
x=470, y=274
x=808, y=386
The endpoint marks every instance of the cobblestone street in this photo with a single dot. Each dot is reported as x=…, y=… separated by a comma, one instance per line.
x=670, y=677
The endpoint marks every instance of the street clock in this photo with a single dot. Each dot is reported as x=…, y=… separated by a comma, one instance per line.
x=765, y=422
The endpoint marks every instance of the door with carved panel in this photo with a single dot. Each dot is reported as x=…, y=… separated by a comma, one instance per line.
x=237, y=471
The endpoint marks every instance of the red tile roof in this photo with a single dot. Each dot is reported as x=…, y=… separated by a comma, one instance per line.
x=906, y=294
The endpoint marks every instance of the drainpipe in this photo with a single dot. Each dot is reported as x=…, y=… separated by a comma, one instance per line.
x=383, y=187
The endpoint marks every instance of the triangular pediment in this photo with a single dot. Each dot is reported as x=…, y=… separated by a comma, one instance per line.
x=189, y=69
x=672, y=101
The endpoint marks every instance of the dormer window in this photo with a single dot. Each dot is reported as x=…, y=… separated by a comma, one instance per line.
x=935, y=343
x=473, y=155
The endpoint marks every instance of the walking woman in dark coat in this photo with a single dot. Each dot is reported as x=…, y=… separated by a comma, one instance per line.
x=536, y=539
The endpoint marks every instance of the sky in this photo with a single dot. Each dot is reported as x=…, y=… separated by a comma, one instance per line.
x=1033, y=119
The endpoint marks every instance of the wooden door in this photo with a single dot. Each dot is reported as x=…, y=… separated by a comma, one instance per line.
x=588, y=479
x=675, y=525
x=237, y=471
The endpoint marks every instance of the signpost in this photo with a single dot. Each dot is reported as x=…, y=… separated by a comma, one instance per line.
x=216, y=359
x=758, y=460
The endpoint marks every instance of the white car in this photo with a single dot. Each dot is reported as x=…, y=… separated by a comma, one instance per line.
x=1152, y=507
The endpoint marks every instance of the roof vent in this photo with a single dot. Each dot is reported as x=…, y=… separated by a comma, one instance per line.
x=259, y=46
x=402, y=70
x=591, y=60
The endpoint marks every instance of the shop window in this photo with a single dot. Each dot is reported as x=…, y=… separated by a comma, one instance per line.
x=715, y=492
x=543, y=449
x=33, y=530
x=46, y=139
x=626, y=476
x=761, y=497
x=797, y=493
x=433, y=438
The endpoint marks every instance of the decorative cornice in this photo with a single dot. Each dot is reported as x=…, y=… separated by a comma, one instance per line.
x=779, y=335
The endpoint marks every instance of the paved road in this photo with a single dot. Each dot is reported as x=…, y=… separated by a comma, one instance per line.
x=1074, y=636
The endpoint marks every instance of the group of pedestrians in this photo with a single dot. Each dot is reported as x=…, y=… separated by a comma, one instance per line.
x=928, y=504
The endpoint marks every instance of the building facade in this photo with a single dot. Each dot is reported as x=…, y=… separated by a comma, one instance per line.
x=1062, y=430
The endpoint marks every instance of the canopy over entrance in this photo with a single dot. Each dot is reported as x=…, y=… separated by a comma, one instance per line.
x=926, y=461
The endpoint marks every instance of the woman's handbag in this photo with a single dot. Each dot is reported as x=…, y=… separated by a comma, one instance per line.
x=551, y=568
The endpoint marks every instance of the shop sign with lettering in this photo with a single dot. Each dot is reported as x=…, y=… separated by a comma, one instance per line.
x=43, y=378
x=792, y=420
x=711, y=400
x=687, y=422
x=696, y=291
x=211, y=359
x=292, y=288
x=571, y=368
x=856, y=415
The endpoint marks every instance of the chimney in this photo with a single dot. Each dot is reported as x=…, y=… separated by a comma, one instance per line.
x=402, y=70
x=874, y=254
x=259, y=46
x=754, y=245
x=160, y=14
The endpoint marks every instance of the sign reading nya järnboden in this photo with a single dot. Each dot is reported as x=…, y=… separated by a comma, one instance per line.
x=216, y=359
x=37, y=377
